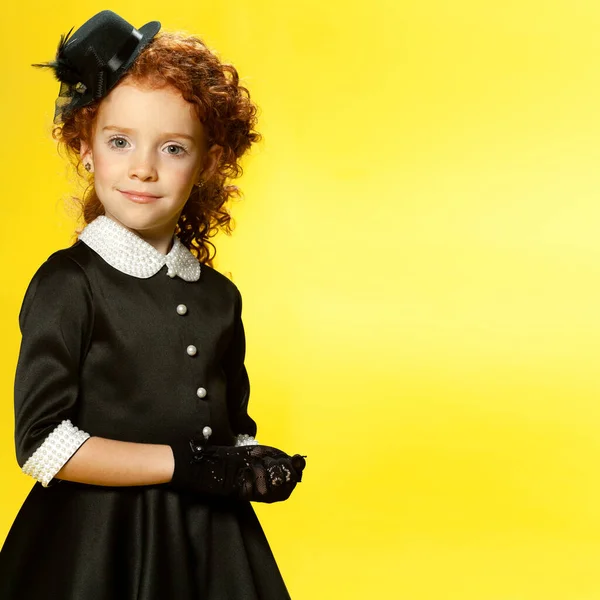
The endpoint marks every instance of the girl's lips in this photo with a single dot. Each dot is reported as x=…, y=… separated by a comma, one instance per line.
x=139, y=199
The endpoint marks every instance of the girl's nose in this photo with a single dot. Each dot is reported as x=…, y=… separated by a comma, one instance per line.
x=142, y=166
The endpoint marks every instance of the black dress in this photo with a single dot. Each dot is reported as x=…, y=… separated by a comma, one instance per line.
x=110, y=353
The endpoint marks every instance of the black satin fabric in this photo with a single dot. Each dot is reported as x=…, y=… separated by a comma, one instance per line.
x=108, y=351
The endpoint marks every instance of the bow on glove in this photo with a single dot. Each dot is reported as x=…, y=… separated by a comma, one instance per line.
x=257, y=473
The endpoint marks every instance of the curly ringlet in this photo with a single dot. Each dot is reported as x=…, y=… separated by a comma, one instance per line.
x=223, y=106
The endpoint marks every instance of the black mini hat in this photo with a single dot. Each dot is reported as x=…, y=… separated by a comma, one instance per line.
x=90, y=62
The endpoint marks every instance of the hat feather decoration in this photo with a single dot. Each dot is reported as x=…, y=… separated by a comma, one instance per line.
x=63, y=69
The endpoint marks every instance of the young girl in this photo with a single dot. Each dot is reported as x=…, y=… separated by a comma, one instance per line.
x=131, y=393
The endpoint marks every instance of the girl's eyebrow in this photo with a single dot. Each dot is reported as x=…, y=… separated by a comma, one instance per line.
x=128, y=130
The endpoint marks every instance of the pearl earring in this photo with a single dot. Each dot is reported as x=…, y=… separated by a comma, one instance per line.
x=199, y=184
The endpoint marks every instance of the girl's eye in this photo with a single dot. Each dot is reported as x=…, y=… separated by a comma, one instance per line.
x=175, y=150
x=117, y=142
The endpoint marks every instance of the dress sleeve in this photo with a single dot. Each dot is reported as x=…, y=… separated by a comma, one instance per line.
x=56, y=321
x=238, y=384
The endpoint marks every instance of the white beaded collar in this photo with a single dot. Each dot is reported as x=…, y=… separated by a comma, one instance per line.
x=130, y=254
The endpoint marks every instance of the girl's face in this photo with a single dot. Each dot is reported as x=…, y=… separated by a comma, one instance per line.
x=147, y=141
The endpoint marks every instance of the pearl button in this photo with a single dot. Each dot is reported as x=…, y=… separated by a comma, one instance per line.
x=207, y=432
x=191, y=350
x=201, y=392
x=181, y=309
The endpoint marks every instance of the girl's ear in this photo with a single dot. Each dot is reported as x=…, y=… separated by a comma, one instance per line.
x=85, y=152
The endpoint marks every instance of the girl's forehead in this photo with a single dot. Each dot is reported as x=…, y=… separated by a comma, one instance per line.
x=132, y=104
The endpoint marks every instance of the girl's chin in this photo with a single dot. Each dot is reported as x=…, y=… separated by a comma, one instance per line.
x=141, y=223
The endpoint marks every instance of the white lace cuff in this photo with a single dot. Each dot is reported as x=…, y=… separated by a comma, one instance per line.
x=243, y=439
x=54, y=452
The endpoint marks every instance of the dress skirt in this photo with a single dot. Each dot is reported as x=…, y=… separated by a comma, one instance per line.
x=76, y=542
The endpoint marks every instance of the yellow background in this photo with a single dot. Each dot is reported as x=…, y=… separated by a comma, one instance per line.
x=419, y=257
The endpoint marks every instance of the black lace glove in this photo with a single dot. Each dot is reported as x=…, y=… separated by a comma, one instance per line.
x=257, y=473
x=272, y=474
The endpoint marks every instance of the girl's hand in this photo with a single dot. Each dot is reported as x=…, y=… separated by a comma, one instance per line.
x=257, y=473
x=272, y=475
x=298, y=461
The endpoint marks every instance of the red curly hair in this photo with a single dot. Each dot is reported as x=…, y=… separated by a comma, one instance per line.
x=223, y=106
